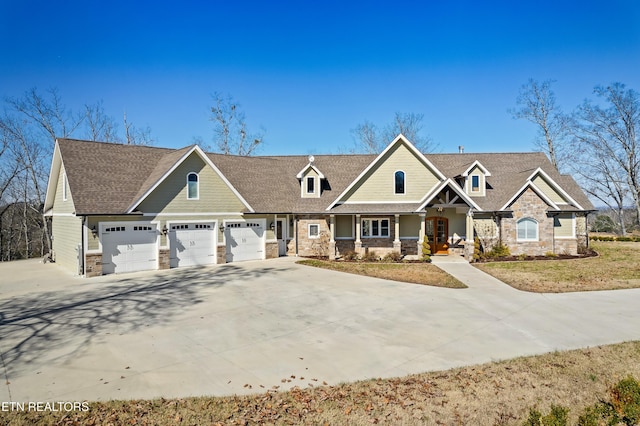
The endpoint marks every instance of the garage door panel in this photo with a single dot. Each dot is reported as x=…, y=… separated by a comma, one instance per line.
x=192, y=244
x=129, y=247
x=245, y=241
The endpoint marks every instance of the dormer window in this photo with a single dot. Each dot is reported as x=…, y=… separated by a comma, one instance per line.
x=475, y=183
x=399, y=182
x=193, y=192
x=311, y=185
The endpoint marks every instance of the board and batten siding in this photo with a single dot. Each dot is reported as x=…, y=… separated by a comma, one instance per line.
x=171, y=195
x=551, y=193
x=379, y=183
x=67, y=236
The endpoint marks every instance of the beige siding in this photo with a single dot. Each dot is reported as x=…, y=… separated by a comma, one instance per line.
x=310, y=173
x=171, y=195
x=59, y=204
x=409, y=226
x=67, y=236
x=563, y=225
x=378, y=184
x=481, y=180
x=344, y=227
x=551, y=193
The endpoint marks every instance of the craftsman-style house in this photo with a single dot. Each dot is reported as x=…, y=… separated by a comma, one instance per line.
x=120, y=208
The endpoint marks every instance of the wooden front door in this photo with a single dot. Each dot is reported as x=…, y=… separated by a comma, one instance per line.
x=437, y=229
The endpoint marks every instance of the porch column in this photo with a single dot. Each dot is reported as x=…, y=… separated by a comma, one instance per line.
x=468, y=242
x=332, y=238
x=358, y=243
x=423, y=216
x=397, y=245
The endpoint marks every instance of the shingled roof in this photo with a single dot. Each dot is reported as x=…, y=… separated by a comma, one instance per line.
x=107, y=178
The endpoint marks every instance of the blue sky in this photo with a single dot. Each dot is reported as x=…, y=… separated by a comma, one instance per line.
x=309, y=72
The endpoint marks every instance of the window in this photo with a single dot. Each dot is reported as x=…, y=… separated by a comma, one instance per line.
x=314, y=230
x=192, y=186
x=375, y=227
x=64, y=186
x=311, y=185
x=475, y=183
x=399, y=182
x=527, y=230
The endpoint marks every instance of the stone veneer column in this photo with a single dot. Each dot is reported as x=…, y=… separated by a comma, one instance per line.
x=358, y=243
x=397, y=245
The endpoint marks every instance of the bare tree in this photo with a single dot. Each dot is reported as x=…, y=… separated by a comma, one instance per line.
x=370, y=139
x=99, y=125
x=610, y=134
x=230, y=128
x=136, y=136
x=537, y=104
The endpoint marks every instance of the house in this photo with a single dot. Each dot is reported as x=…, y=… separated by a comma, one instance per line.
x=120, y=208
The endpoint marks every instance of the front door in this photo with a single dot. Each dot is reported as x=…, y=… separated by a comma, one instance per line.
x=281, y=236
x=437, y=229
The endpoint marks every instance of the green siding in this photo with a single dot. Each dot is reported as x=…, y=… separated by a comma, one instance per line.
x=171, y=195
x=477, y=172
x=563, y=225
x=344, y=227
x=67, y=236
x=378, y=183
x=409, y=226
x=59, y=204
x=310, y=173
x=551, y=193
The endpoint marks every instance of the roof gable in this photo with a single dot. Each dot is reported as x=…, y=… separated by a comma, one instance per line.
x=400, y=154
x=194, y=149
x=473, y=166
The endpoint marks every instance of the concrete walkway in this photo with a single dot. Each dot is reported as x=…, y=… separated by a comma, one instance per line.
x=251, y=326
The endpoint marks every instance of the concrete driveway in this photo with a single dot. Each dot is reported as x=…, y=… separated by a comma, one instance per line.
x=252, y=326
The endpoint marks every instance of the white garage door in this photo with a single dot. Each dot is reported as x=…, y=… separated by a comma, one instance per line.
x=245, y=241
x=192, y=244
x=129, y=247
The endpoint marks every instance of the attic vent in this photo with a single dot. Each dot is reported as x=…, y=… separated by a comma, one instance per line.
x=461, y=149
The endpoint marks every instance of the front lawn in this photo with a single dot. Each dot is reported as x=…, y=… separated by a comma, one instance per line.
x=418, y=273
x=616, y=267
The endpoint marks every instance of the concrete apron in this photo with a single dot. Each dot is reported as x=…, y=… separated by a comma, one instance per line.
x=253, y=326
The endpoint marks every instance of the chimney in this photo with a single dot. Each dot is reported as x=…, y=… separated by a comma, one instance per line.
x=460, y=149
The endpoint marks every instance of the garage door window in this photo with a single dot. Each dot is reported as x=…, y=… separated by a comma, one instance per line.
x=192, y=186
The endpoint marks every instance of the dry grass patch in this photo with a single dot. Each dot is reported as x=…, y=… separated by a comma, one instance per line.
x=616, y=267
x=418, y=273
x=499, y=393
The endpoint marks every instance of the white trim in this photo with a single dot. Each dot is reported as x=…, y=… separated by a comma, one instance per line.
x=381, y=202
x=301, y=174
x=54, y=172
x=197, y=197
x=371, y=219
x=309, y=225
x=555, y=186
x=528, y=240
x=473, y=166
x=399, y=139
x=417, y=237
x=195, y=214
x=537, y=190
x=404, y=183
x=208, y=161
x=65, y=196
x=456, y=188
x=61, y=215
x=306, y=185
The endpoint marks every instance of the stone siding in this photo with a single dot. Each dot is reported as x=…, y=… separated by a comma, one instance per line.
x=409, y=247
x=221, y=254
x=566, y=246
x=271, y=249
x=344, y=246
x=93, y=265
x=528, y=205
x=311, y=246
x=163, y=259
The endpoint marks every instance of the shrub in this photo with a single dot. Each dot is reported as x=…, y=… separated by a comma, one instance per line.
x=556, y=417
x=522, y=256
x=394, y=256
x=426, y=250
x=550, y=254
x=350, y=255
x=625, y=401
x=477, y=252
x=370, y=256
x=499, y=250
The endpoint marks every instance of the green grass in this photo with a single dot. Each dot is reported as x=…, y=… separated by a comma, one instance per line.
x=417, y=273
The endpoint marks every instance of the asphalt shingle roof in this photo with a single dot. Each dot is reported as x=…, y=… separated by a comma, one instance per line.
x=106, y=178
